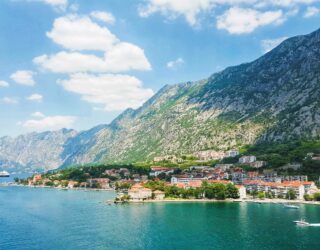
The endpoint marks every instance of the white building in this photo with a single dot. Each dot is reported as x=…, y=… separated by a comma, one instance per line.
x=185, y=179
x=138, y=192
x=247, y=159
x=232, y=153
x=158, y=195
x=242, y=191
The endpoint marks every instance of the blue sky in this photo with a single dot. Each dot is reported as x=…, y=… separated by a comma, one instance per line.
x=79, y=63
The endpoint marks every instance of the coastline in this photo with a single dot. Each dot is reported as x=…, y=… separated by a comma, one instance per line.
x=59, y=188
x=265, y=201
x=249, y=200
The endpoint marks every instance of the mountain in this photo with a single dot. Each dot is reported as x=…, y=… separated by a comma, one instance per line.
x=34, y=151
x=272, y=99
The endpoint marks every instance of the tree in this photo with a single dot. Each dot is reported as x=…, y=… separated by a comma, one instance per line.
x=316, y=196
x=307, y=197
x=269, y=195
x=232, y=191
x=261, y=195
x=291, y=195
x=254, y=193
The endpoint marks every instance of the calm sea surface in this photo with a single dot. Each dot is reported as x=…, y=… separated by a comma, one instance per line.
x=35, y=218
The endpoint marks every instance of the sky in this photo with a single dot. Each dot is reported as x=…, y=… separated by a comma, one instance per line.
x=80, y=63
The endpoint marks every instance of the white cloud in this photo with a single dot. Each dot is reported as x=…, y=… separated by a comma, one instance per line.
x=106, y=17
x=80, y=33
x=35, y=98
x=194, y=10
x=37, y=114
x=122, y=57
x=238, y=21
x=47, y=123
x=112, y=92
x=175, y=63
x=311, y=11
x=4, y=84
x=190, y=9
x=270, y=44
x=23, y=77
x=10, y=100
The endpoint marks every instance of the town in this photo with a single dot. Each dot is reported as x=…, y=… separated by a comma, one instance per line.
x=245, y=178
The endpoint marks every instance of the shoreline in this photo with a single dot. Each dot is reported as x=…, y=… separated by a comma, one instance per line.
x=248, y=200
x=59, y=188
x=266, y=201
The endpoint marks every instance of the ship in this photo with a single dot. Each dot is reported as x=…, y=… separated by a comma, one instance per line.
x=4, y=174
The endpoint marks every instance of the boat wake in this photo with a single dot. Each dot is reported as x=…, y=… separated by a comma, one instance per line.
x=314, y=225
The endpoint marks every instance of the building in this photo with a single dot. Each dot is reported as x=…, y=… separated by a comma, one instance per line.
x=242, y=191
x=103, y=183
x=247, y=159
x=277, y=189
x=72, y=184
x=136, y=177
x=210, y=155
x=186, y=179
x=138, y=192
x=158, y=195
x=232, y=153
x=37, y=177
x=309, y=186
x=257, y=164
x=156, y=170
x=223, y=167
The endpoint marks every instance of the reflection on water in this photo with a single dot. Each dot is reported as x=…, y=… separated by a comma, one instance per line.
x=36, y=218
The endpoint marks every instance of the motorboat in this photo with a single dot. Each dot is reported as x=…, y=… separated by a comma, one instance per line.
x=291, y=206
x=301, y=222
x=4, y=174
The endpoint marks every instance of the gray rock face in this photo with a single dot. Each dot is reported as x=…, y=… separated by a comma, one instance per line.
x=273, y=99
x=34, y=150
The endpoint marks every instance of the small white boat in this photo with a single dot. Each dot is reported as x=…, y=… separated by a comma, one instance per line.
x=301, y=222
x=291, y=206
x=4, y=174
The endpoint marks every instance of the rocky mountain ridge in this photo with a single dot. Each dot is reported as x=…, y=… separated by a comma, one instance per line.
x=272, y=99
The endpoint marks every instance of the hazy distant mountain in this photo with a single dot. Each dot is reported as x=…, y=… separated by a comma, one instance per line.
x=275, y=98
x=34, y=150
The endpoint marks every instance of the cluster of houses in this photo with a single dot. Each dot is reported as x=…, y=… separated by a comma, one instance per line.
x=281, y=189
x=99, y=183
x=139, y=193
x=246, y=181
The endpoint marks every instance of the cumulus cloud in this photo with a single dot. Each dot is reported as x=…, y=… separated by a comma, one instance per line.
x=23, y=77
x=270, y=44
x=122, y=57
x=81, y=33
x=238, y=21
x=4, y=84
x=194, y=10
x=175, y=63
x=190, y=9
x=48, y=123
x=113, y=92
x=10, y=100
x=311, y=11
x=103, y=16
x=35, y=98
x=37, y=114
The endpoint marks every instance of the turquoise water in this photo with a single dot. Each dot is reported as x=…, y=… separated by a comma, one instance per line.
x=35, y=218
